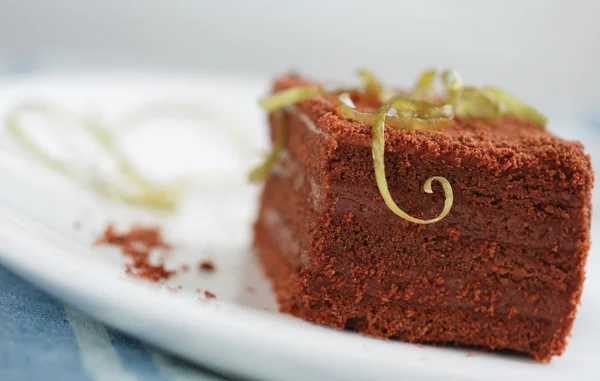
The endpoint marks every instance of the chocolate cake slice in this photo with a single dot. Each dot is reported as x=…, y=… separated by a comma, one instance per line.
x=503, y=269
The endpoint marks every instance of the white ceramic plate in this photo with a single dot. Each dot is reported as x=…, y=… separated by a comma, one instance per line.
x=232, y=334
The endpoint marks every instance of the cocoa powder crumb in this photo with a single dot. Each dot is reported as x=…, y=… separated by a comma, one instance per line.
x=206, y=266
x=250, y=289
x=136, y=244
x=209, y=295
x=469, y=354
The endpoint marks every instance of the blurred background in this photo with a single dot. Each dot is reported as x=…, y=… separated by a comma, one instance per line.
x=547, y=51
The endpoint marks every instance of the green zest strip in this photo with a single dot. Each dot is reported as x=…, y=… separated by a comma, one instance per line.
x=378, y=149
x=346, y=109
x=372, y=87
x=471, y=101
x=261, y=171
x=468, y=101
x=510, y=104
x=351, y=113
x=451, y=80
x=288, y=97
x=488, y=102
x=410, y=114
x=144, y=193
x=26, y=141
x=424, y=87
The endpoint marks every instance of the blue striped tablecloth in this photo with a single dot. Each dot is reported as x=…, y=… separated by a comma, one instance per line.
x=42, y=339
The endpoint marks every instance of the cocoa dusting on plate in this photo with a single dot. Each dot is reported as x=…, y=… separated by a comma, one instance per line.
x=209, y=295
x=136, y=244
x=206, y=266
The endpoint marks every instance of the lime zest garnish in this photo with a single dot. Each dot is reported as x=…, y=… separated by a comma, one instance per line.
x=372, y=87
x=346, y=109
x=403, y=102
x=487, y=102
x=373, y=90
x=407, y=114
x=471, y=101
x=424, y=87
x=26, y=141
x=144, y=192
x=288, y=97
x=275, y=103
x=261, y=171
x=468, y=101
x=378, y=149
x=510, y=104
x=451, y=80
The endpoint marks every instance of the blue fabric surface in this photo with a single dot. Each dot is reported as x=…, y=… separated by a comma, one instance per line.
x=41, y=339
